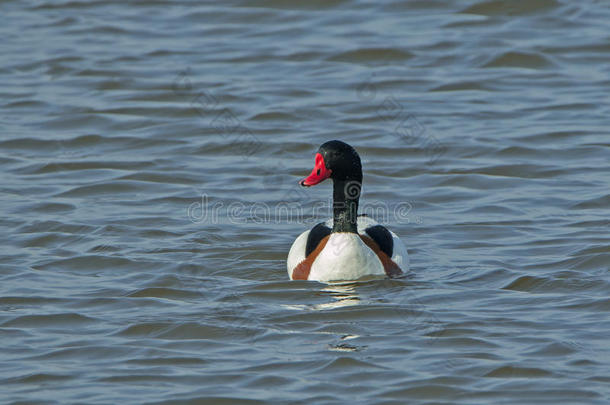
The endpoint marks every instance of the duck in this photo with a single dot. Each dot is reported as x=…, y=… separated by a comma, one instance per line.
x=348, y=246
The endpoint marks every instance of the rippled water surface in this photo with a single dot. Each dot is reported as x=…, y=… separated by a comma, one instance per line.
x=150, y=153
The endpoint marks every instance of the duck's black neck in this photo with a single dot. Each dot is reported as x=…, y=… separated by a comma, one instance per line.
x=346, y=194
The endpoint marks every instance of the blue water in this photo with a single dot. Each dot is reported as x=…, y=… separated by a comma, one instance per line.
x=150, y=154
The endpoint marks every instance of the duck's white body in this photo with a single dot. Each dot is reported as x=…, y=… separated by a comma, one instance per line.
x=345, y=256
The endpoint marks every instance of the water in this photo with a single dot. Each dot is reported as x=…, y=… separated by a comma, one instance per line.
x=150, y=149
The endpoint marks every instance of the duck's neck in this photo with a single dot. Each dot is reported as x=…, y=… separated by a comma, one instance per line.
x=346, y=194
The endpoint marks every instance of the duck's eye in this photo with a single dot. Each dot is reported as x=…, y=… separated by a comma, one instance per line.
x=318, y=173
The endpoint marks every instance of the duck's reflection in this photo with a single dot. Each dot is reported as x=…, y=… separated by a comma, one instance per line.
x=343, y=295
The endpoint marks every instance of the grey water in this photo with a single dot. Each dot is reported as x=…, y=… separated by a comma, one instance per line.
x=150, y=153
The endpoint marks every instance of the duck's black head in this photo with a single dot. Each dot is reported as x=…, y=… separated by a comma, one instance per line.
x=335, y=160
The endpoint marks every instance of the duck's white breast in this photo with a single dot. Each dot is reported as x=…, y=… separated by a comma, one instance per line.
x=366, y=266
x=399, y=254
x=345, y=257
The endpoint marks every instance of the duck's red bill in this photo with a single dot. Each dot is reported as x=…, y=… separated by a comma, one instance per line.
x=318, y=174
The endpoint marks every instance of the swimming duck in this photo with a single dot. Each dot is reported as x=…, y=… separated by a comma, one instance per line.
x=348, y=246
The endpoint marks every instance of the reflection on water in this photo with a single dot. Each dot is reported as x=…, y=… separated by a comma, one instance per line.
x=343, y=295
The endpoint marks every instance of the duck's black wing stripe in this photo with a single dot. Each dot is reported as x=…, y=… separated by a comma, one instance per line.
x=316, y=234
x=382, y=237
